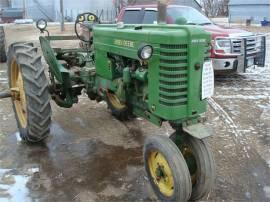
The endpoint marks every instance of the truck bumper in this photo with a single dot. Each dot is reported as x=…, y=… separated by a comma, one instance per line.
x=247, y=53
x=239, y=64
x=225, y=64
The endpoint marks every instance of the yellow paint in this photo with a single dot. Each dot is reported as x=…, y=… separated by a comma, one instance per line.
x=125, y=43
x=91, y=18
x=18, y=93
x=157, y=161
x=115, y=101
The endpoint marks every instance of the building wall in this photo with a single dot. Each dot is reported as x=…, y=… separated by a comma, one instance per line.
x=73, y=8
x=4, y=4
x=241, y=10
x=36, y=9
x=50, y=9
x=248, y=2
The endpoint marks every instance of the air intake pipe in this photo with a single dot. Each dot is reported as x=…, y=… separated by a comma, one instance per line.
x=162, y=11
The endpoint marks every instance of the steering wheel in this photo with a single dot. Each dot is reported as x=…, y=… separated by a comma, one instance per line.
x=84, y=26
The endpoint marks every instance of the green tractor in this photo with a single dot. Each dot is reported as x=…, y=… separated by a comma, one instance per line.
x=160, y=72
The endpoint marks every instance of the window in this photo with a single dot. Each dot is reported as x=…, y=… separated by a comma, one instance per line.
x=150, y=17
x=191, y=15
x=132, y=17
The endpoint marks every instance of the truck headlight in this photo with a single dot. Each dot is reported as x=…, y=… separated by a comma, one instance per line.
x=207, y=80
x=145, y=52
x=223, y=45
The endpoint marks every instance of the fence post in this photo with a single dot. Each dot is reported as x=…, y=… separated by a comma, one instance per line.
x=62, y=16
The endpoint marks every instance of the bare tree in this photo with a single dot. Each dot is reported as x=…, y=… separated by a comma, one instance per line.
x=223, y=8
x=214, y=8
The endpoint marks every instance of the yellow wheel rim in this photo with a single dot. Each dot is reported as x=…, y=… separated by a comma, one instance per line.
x=161, y=173
x=18, y=93
x=115, y=101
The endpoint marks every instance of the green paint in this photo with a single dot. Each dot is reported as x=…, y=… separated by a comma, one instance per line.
x=167, y=87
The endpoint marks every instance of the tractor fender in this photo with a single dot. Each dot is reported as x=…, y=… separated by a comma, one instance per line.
x=198, y=131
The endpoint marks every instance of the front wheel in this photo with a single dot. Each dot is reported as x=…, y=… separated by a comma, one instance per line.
x=29, y=90
x=119, y=110
x=201, y=164
x=166, y=169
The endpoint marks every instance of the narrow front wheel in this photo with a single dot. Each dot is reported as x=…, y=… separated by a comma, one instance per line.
x=166, y=169
x=201, y=165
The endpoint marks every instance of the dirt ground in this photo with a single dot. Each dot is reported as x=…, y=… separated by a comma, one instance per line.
x=90, y=156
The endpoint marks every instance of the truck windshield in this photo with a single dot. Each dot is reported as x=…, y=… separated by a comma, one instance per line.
x=191, y=15
x=149, y=16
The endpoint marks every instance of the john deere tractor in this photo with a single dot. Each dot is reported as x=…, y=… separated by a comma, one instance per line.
x=159, y=72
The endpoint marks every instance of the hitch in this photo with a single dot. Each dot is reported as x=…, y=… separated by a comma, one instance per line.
x=5, y=94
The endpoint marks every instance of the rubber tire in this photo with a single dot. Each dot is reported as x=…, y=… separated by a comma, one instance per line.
x=120, y=114
x=177, y=163
x=36, y=92
x=205, y=165
x=3, y=56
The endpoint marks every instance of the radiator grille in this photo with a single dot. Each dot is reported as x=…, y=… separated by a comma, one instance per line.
x=173, y=75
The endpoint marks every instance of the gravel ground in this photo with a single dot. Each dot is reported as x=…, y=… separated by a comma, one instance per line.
x=90, y=156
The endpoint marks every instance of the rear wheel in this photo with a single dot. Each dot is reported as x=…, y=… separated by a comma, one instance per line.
x=29, y=90
x=166, y=169
x=201, y=165
x=3, y=56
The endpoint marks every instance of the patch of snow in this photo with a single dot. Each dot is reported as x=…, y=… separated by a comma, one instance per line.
x=248, y=195
x=244, y=97
x=239, y=138
x=18, y=136
x=33, y=170
x=266, y=190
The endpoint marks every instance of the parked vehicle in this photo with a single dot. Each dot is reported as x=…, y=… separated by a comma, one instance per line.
x=9, y=15
x=233, y=50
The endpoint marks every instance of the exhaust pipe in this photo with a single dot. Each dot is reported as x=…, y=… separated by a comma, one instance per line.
x=162, y=11
x=5, y=94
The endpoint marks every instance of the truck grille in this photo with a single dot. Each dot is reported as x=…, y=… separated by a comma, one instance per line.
x=250, y=43
x=173, y=75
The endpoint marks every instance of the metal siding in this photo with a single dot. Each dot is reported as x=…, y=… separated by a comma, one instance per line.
x=72, y=8
x=245, y=2
x=36, y=9
x=4, y=4
x=244, y=12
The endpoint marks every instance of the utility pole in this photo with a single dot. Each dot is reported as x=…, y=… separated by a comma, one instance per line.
x=62, y=15
x=24, y=9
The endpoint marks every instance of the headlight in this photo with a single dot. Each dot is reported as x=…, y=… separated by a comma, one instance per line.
x=145, y=52
x=41, y=24
x=223, y=45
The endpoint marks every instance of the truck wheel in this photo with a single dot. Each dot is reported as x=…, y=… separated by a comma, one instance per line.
x=201, y=165
x=166, y=169
x=29, y=90
x=3, y=56
x=119, y=110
